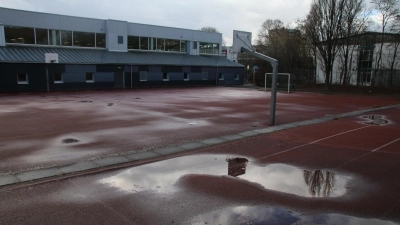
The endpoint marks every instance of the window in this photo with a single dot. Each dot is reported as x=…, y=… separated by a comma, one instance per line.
x=144, y=43
x=39, y=36
x=42, y=37
x=133, y=42
x=209, y=48
x=143, y=75
x=221, y=76
x=160, y=44
x=206, y=48
x=183, y=46
x=66, y=38
x=84, y=39
x=216, y=49
x=120, y=39
x=89, y=78
x=22, y=78
x=172, y=45
x=204, y=76
x=185, y=76
x=20, y=35
x=195, y=45
x=58, y=78
x=365, y=59
x=165, y=77
x=54, y=37
x=100, y=40
x=365, y=76
x=153, y=44
x=236, y=76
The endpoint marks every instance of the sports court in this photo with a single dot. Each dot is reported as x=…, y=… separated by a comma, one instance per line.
x=43, y=130
x=343, y=170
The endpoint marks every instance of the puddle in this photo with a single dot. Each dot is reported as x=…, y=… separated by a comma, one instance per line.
x=258, y=215
x=161, y=176
x=375, y=119
x=69, y=140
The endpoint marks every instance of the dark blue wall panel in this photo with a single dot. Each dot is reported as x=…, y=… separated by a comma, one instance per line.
x=175, y=76
x=195, y=76
x=154, y=76
x=103, y=77
x=74, y=77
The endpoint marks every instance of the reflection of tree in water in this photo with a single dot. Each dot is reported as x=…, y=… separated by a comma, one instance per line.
x=320, y=182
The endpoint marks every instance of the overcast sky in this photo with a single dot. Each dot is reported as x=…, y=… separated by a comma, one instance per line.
x=225, y=15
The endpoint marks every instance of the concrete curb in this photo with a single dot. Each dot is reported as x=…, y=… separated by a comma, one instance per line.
x=115, y=160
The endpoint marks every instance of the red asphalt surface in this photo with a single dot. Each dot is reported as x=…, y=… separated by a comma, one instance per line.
x=368, y=154
x=108, y=123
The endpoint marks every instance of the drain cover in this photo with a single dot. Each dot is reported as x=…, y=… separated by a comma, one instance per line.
x=376, y=119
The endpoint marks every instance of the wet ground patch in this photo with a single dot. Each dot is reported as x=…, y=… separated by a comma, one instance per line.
x=259, y=215
x=69, y=141
x=161, y=176
x=375, y=119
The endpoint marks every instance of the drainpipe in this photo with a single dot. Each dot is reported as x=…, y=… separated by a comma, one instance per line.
x=123, y=78
x=216, y=78
x=131, y=76
x=47, y=77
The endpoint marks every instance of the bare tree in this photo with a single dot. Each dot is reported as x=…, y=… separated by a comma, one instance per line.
x=285, y=44
x=209, y=29
x=354, y=22
x=388, y=11
x=394, y=47
x=323, y=26
x=267, y=26
x=212, y=30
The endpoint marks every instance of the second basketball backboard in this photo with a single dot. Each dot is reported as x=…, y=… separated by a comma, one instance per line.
x=241, y=39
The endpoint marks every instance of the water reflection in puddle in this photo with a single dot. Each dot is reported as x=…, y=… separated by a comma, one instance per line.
x=161, y=176
x=257, y=215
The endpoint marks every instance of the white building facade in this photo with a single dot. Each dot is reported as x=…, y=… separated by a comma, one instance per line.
x=365, y=66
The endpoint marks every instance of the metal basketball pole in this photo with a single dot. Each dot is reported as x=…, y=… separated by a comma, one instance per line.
x=274, y=64
x=273, y=93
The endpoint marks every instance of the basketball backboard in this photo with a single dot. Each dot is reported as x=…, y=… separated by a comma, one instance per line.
x=241, y=39
x=51, y=57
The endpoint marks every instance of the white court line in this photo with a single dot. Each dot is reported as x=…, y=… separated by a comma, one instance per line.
x=380, y=147
x=313, y=142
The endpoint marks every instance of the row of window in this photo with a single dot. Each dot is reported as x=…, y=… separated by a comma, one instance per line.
x=186, y=76
x=22, y=78
x=38, y=36
x=160, y=44
x=209, y=48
